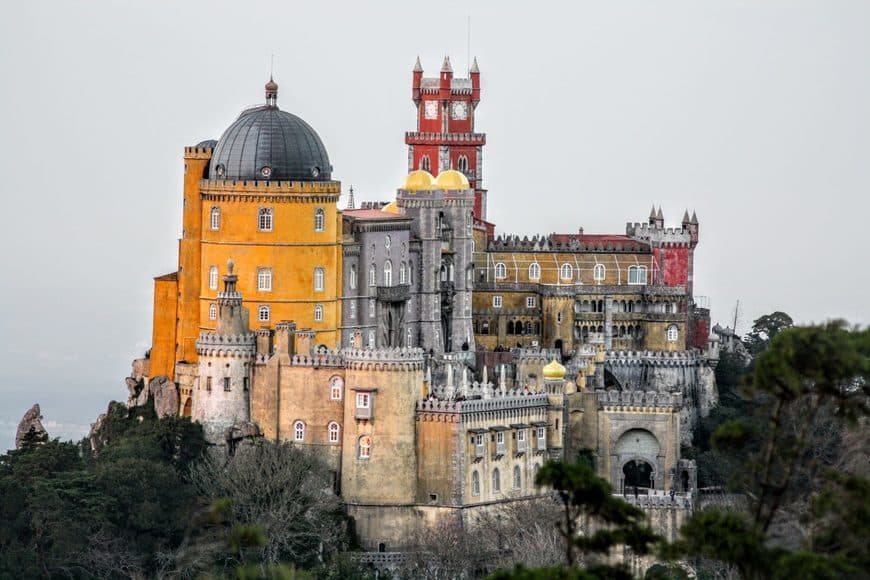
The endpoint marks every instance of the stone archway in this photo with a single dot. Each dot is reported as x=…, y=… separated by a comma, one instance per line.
x=637, y=473
x=187, y=410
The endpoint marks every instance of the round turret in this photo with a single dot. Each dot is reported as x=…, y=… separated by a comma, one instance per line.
x=417, y=180
x=554, y=371
x=451, y=179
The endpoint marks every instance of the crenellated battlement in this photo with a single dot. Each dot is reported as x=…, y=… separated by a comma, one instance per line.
x=330, y=358
x=384, y=358
x=513, y=400
x=214, y=344
x=655, y=358
x=196, y=152
x=567, y=243
x=233, y=186
x=659, y=236
x=638, y=400
x=544, y=355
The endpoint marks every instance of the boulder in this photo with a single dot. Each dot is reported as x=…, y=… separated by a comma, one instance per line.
x=165, y=396
x=30, y=429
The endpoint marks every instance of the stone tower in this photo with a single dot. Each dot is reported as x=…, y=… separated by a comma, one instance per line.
x=221, y=391
x=445, y=137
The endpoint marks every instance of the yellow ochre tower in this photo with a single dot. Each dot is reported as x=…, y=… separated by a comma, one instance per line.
x=262, y=196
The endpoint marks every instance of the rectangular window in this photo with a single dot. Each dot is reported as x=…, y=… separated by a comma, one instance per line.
x=371, y=308
x=352, y=310
x=530, y=301
x=499, y=443
x=496, y=301
x=363, y=406
x=208, y=383
x=264, y=279
x=521, y=440
x=227, y=384
x=542, y=438
x=246, y=384
x=478, y=445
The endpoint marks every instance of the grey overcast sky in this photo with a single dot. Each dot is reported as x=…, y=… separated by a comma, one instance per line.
x=754, y=114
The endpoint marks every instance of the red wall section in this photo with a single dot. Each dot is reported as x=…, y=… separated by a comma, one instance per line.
x=675, y=265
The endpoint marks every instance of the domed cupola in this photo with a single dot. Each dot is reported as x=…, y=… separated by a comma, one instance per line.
x=268, y=144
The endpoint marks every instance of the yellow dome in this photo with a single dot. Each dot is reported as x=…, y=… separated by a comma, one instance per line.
x=391, y=207
x=554, y=371
x=419, y=179
x=451, y=179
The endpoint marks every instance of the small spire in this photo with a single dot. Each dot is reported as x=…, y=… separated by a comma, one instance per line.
x=694, y=218
x=417, y=66
x=230, y=266
x=474, y=67
x=659, y=214
x=652, y=212
x=686, y=216
x=271, y=93
x=350, y=201
x=446, y=66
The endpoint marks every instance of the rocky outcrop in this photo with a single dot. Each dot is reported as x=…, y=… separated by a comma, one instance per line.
x=30, y=429
x=159, y=389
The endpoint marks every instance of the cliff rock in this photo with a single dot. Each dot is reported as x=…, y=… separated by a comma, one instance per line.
x=30, y=429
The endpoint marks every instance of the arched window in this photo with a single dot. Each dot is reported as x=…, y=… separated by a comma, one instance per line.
x=462, y=163
x=388, y=273
x=388, y=242
x=215, y=221
x=264, y=219
x=566, y=272
x=599, y=272
x=263, y=313
x=637, y=274
x=318, y=279
x=298, y=431
x=425, y=163
x=409, y=337
x=353, y=276
x=410, y=272
x=518, y=479
x=475, y=483
x=472, y=247
x=334, y=432
x=496, y=481
x=500, y=271
x=213, y=277
x=673, y=333
x=319, y=220
x=403, y=273
x=365, y=447
x=534, y=271
x=318, y=313
x=352, y=310
x=371, y=339
x=335, y=388
x=212, y=311
x=373, y=275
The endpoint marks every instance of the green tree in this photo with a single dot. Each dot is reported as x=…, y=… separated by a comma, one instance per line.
x=764, y=329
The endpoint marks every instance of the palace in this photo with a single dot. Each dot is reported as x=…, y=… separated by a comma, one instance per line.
x=433, y=364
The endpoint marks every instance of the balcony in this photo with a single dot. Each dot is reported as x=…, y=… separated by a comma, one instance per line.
x=398, y=293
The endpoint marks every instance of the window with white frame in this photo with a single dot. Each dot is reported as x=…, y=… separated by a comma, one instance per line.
x=500, y=271
x=673, y=333
x=403, y=273
x=227, y=384
x=264, y=279
x=637, y=274
x=213, y=277
x=334, y=432
x=373, y=275
x=496, y=481
x=298, y=431
x=496, y=301
x=264, y=219
x=318, y=313
x=541, y=435
x=371, y=339
x=598, y=272
x=409, y=338
x=388, y=241
x=371, y=308
x=531, y=302
x=566, y=272
x=462, y=163
x=534, y=271
x=263, y=313
x=410, y=272
x=352, y=310
x=212, y=311
x=318, y=279
x=352, y=278
x=518, y=478
x=319, y=220
x=475, y=483
x=365, y=447
x=425, y=164
x=388, y=273
x=215, y=221
x=335, y=388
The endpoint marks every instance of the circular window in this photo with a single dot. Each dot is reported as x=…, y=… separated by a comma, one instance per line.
x=315, y=171
x=266, y=171
x=220, y=169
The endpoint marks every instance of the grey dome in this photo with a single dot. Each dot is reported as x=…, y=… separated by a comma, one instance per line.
x=268, y=144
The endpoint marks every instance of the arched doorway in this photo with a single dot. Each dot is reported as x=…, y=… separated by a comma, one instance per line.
x=637, y=473
x=187, y=410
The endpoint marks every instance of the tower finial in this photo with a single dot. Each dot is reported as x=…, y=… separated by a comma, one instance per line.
x=652, y=212
x=446, y=66
x=271, y=93
x=659, y=214
x=350, y=201
x=417, y=66
x=474, y=67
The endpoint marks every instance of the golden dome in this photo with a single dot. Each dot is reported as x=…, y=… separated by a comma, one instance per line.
x=419, y=179
x=391, y=207
x=451, y=179
x=554, y=371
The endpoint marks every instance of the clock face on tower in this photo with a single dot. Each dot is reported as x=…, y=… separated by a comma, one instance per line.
x=460, y=110
x=430, y=109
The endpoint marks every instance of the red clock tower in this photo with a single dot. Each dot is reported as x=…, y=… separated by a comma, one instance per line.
x=445, y=137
